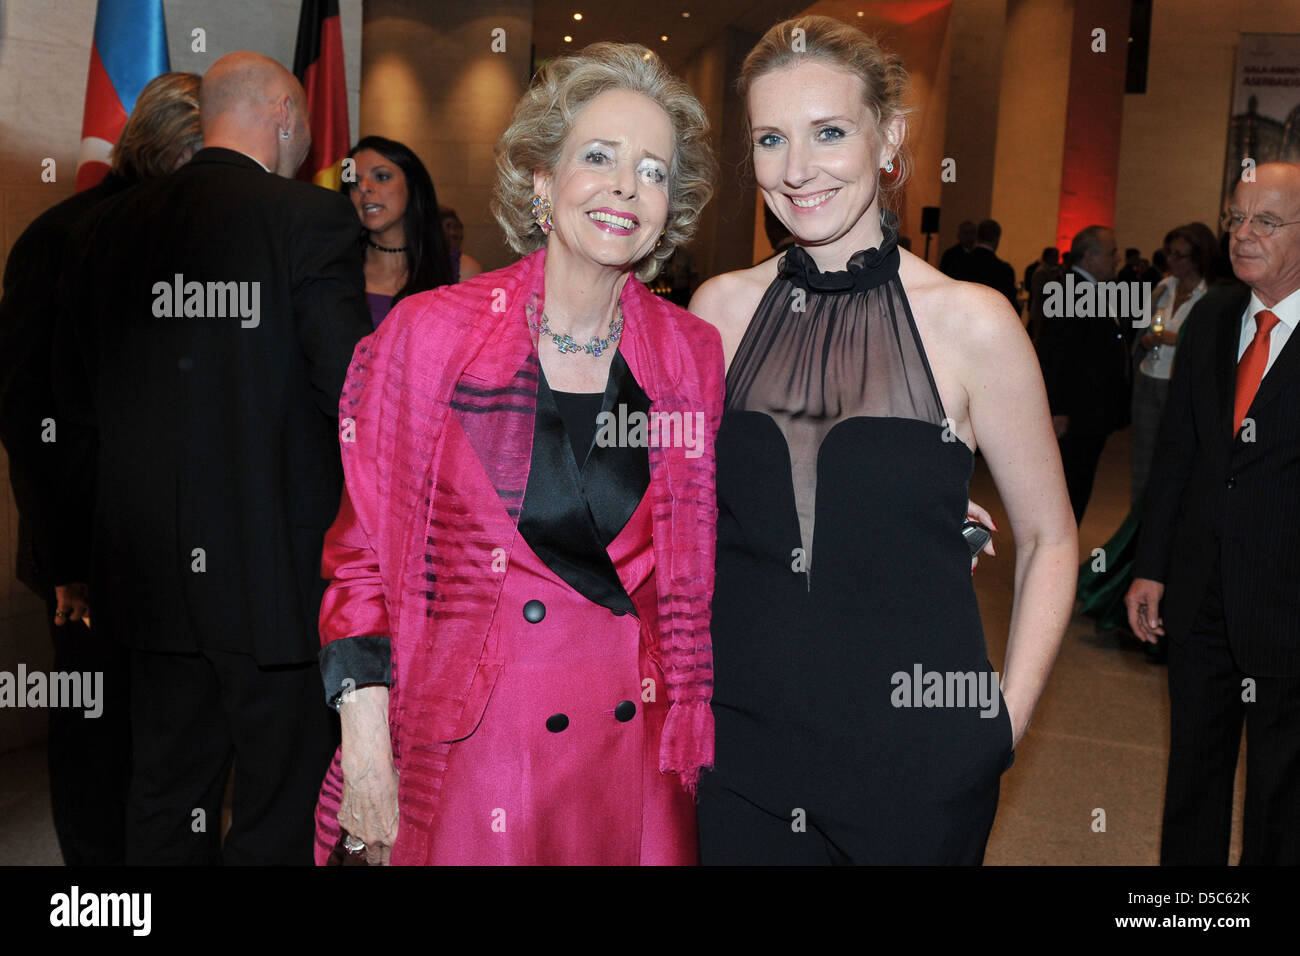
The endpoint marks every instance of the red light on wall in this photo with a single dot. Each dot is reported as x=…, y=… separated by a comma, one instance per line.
x=1093, y=117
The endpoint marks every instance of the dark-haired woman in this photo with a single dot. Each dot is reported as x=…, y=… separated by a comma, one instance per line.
x=406, y=250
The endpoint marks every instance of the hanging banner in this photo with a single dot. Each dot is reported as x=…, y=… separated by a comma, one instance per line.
x=1265, y=125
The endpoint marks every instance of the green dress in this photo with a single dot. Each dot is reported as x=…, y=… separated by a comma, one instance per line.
x=1104, y=578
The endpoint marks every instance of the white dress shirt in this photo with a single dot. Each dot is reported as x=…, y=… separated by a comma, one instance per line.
x=253, y=158
x=1288, y=314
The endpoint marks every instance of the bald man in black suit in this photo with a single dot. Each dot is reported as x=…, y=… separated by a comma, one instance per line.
x=213, y=318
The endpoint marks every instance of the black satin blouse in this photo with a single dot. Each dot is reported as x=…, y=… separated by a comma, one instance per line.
x=571, y=514
x=579, y=411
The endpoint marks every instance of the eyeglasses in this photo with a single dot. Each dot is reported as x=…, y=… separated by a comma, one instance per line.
x=1175, y=254
x=1232, y=221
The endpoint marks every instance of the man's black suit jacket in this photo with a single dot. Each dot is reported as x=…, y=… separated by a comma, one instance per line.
x=27, y=328
x=217, y=460
x=953, y=261
x=1213, y=492
x=1085, y=368
x=983, y=266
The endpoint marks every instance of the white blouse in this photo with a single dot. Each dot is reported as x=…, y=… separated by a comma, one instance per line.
x=1159, y=362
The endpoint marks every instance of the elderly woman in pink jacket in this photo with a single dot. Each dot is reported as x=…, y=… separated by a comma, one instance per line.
x=516, y=627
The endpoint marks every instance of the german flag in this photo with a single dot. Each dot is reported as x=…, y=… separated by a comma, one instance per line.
x=318, y=64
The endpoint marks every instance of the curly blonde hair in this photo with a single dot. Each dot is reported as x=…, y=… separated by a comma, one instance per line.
x=542, y=120
x=841, y=47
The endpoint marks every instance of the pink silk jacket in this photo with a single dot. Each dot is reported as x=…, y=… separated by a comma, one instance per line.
x=415, y=555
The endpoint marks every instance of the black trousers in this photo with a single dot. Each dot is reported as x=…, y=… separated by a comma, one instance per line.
x=192, y=715
x=1207, y=710
x=1079, y=457
x=90, y=757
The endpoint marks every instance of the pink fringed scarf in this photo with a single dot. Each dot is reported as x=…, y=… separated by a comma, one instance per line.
x=411, y=554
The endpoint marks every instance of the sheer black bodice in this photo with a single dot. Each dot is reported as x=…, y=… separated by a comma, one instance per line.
x=827, y=347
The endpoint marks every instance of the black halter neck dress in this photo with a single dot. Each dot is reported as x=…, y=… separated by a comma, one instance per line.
x=840, y=567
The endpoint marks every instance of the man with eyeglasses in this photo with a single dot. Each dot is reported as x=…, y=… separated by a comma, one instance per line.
x=1218, y=562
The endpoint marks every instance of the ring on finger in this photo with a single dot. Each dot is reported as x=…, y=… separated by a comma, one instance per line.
x=353, y=845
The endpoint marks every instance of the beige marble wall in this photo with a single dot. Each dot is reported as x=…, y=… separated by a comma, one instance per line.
x=978, y=29
x=44, y=54
x=706, y=75
x=1175, y=135
x=729, y=236
x=431, y=80
x=1031, y=127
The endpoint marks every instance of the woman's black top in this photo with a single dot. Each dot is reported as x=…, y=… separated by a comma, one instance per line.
x=843, y=580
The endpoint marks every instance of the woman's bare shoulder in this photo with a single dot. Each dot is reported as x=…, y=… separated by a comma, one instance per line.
x=728, y=301
x=964, y=313
x=733, y=295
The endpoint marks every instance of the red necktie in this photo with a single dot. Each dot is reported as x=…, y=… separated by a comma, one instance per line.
x=1250, y=370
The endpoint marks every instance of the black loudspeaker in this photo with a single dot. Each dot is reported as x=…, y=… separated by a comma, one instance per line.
x=929, y=218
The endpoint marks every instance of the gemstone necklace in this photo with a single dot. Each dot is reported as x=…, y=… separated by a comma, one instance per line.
x=566, y=343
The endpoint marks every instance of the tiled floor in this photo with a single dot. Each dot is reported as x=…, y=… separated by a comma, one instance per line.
x=1099, y=740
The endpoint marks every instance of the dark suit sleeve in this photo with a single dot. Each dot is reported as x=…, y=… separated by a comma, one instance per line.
x=1175, y=450
x=73, y=369
x=948, y=262
x=25, y=295
x=329, y=307
x=1058, y=341
x=1009, y=283
x=29, y=280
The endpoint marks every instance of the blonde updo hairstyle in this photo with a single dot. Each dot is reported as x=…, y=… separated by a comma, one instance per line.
x=842, y=47
x=546, y=113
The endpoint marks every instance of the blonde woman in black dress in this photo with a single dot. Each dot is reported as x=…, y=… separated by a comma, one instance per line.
x=860, y=382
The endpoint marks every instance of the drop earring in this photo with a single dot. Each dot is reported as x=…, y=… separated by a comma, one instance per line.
x=542, y=214
x=889, y=166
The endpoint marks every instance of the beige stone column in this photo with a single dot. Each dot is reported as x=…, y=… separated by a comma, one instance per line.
x=727, y=234
x=442, y=76
x=1031, y=127
x=971, y=129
